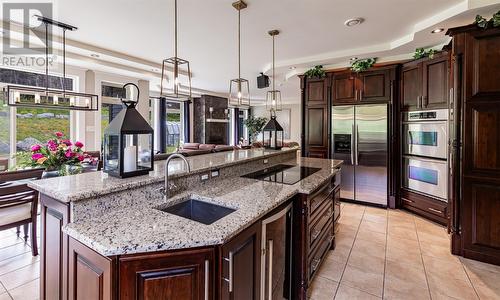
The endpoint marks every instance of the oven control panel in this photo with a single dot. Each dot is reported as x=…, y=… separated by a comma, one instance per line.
x=422, y=115
x=429, y=115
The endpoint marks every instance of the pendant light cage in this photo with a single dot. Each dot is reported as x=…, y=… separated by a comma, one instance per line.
x=273, y=97
x=45, y=97
x=239, y=88
x=173, y=69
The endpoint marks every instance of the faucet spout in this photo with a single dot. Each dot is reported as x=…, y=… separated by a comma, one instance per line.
x=167, y=186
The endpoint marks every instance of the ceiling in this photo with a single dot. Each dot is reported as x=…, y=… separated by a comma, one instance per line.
x=132, y=37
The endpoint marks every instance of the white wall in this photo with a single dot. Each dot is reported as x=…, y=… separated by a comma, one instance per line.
x=295, y=118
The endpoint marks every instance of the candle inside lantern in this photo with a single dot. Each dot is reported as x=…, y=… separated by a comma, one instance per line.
x=130, y=159
x=71, y=101
x=17, y=97
x=55, y=100
x=87, y=103
x=37, y=98
x=273, y=140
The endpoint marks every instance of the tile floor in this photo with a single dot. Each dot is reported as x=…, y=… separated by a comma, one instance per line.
x=392, y=254
x=19, y=270
x=387, y=254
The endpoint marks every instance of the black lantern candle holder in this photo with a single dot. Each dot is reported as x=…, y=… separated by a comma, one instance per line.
x=272, y=134
x=128, y=142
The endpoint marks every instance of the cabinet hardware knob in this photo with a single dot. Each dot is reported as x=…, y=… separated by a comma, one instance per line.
x=435, y=210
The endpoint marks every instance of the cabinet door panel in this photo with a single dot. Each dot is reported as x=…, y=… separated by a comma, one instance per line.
x=375, y=86
x=316, y=92
x=169, y=275
x=411, y=82
x=316, y=132
x=435, y=83
x=486, y=59
x=344, y=88
x=241, y=265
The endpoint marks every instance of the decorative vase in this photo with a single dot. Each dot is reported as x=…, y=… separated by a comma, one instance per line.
x=50, y=173
x=67, y=169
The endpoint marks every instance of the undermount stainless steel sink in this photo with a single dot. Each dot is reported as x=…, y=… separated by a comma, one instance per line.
x=199, y=211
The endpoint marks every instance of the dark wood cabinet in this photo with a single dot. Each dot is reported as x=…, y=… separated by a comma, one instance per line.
x=366, y=87
x=424, y=83
x=90, y=274
x=315, y=109
x=475, y=224
x=433, y=209
x=54, y=249
x=185, y=274
x=240, y=265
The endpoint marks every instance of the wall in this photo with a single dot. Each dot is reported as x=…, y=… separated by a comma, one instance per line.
x=295, y=118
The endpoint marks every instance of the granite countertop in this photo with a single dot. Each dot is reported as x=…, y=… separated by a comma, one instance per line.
x=143, y=228
x=94, y=184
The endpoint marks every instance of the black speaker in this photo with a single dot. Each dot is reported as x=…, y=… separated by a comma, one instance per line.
x=262, y=81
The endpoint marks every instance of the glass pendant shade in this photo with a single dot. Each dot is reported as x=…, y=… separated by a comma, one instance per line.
x=273, y=101
x=178, y=85
x=176, y=72
x=239, y=92
x=128, y=143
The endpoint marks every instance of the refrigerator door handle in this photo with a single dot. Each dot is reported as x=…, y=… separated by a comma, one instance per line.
x=357, y=143
x=352, y=144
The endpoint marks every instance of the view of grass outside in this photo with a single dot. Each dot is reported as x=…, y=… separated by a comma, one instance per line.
x=174, y=117
x=104, y=119
x=41, y=123
x=4, y=136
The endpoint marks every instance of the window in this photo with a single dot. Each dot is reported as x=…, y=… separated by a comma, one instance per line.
x=174, y=126
x=108, y=113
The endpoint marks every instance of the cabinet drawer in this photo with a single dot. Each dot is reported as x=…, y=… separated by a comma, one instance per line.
x=317, y=199
x=319, y=254
x=318, y=227
x=435, y=210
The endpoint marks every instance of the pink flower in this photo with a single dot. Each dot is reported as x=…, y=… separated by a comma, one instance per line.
x=59, y=134
x=69, y=154
x=80, y=157
x=52, y=145
x=35, y=148
x=79, y=144
x=67, y=142
x=36, y=156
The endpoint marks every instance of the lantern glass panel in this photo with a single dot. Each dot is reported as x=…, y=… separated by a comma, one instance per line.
x=112, y=153
x=137, y=152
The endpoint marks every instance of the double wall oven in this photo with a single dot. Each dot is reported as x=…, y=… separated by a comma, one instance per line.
x=425, y=152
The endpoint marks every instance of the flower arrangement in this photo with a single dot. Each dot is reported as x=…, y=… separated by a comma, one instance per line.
x=56, y=153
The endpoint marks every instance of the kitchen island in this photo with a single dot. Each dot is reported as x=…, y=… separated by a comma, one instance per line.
x=108, y=238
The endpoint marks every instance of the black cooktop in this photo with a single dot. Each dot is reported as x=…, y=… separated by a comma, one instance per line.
x=286, y=174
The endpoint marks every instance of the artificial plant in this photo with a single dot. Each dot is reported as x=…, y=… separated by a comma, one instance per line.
x=255, y=125
x=361, y=65
x=317, y=72
x=481, y=22
x=421, y=52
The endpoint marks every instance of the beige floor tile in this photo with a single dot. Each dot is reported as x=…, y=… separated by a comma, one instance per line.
x=438, y=251
x=405, y=272
x=488, y=292
x=346, y=292
x=479, y=266
x=369, y=248
x=21, y=276
x=375, y=218
x=484, y=277
x=2, y=289
x=345, y=220
x=448, y=286
x=448, y=267
x=431, y=238
x=372, y=226
x=322, y=289
x=365, y=261
x=410, y=246
x=367, y=235
x=402, y=232
x=17, y=262
x=5, y=296
x=376, y=211
x=371, y=283
x=29, y=291
x=408, y=224
x=400, y=214
x=14, y=250
x=341, y=252
x=395, y=288
x=332, y=268
x=346, y=230
x=413, y=259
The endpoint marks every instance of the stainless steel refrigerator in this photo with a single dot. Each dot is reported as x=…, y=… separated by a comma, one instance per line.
x=360, y=140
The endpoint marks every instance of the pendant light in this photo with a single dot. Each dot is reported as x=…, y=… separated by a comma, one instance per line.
x=170, y=72
x=239, y=88
x=273, y=97
x=44, y=97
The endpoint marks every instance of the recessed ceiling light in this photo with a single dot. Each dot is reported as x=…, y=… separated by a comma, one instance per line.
x=353, y=22
x=437, y=30
x=94, y=55
x=292, y=68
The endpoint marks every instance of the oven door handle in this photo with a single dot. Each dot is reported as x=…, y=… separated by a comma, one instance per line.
x=411, y=140
x=357, y=144
x=436, y=161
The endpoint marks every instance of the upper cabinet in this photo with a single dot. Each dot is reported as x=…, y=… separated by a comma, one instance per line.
x=316, y=91
x=424, y=83
x=365, y=87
